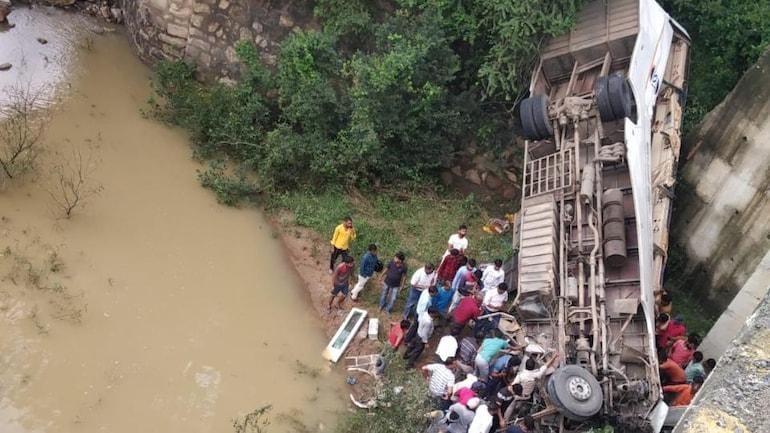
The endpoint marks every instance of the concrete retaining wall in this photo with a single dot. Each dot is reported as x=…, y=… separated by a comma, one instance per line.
x=723, y=222
x=206, y=31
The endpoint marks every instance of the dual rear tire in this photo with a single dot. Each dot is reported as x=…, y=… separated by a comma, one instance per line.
x=614, y=97
x=535, y=122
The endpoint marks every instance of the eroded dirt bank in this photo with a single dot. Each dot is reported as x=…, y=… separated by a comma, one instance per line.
x=155, y=309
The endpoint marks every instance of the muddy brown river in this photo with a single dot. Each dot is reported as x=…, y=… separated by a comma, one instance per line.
x=154, y=309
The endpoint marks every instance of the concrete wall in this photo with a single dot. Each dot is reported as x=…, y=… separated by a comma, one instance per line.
x=723, y=219
x=206, y=31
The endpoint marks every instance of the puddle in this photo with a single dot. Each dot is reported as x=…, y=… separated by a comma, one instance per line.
x=154, y=309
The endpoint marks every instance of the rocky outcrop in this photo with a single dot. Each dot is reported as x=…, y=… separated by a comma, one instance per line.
x=206, y=32
x=491, y=176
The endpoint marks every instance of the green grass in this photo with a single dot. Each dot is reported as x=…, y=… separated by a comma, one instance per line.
x=416, y=223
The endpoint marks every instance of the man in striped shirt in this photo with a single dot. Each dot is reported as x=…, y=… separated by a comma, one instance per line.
x=440, y=381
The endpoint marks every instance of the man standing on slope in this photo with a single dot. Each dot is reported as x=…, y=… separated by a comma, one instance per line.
x=366, y=270
x=343, y=234
x=458, y=241
x=341, y=281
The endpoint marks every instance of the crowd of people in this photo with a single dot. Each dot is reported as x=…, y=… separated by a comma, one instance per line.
x=682, y=366
x=460, y=297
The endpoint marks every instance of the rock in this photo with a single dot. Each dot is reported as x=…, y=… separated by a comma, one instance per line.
x=257, y=27
x=5, y=66
x=457, y=171
x=42, y=40
x=511, y=176
x=224, y=4
x=472, y=176
x=285, y=21
x=492, y=181
x=5, y=10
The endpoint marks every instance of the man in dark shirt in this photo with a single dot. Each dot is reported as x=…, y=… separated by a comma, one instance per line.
x=366, y=270
x=341, y=281
x=392, y=280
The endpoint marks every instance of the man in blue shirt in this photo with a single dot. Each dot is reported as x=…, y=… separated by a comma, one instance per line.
x=443, y=297
x=366, y=270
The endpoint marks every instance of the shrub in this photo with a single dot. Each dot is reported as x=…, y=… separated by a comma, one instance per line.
x=380, y=95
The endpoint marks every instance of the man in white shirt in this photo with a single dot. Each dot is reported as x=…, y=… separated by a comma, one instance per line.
x=483, y=420
x=458, y=241
x=492, y=276
x=494, y=300
x=529, y=375
x=418, y=342
x=422, y=279
x=425, y=301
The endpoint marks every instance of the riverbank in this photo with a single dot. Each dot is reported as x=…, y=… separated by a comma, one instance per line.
x=417, y=225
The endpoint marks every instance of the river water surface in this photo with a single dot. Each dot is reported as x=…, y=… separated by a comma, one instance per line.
x=154, y=309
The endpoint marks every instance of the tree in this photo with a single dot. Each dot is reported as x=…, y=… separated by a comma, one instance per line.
x=72, y=183
x=23, y=120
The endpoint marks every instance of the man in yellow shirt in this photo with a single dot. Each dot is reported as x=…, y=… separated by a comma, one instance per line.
x=343, y=234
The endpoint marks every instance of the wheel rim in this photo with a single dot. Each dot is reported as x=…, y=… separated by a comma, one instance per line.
x=579, y=388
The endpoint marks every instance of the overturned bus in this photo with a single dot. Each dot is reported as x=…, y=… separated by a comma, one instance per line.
x=602, y=124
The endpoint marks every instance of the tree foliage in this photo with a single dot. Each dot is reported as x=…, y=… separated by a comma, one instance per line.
x=728, y=37
x=383, y=92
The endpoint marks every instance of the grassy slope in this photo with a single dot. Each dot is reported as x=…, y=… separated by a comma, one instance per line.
x=416, y=223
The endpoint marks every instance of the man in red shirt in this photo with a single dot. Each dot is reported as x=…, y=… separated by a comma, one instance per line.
x=396, y=333
x=682, y=395
x=670, y=371
x=341, y=281
x=449, y=266
x=467, y=310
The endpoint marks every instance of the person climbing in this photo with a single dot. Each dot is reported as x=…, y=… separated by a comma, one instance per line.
x=422, y=279
x=529, y=375
x=392, y=280
x=344, y=233
x=670, y=371
x=682, y=395
x=341, y=281
x=365, y=271
x=458, y=241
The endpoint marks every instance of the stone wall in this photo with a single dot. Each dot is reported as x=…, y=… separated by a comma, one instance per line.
x=207, y=31
x=723, y=219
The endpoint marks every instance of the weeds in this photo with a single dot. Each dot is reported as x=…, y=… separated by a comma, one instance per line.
x=303, y=369
x=230, y=190
x=255, y=421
